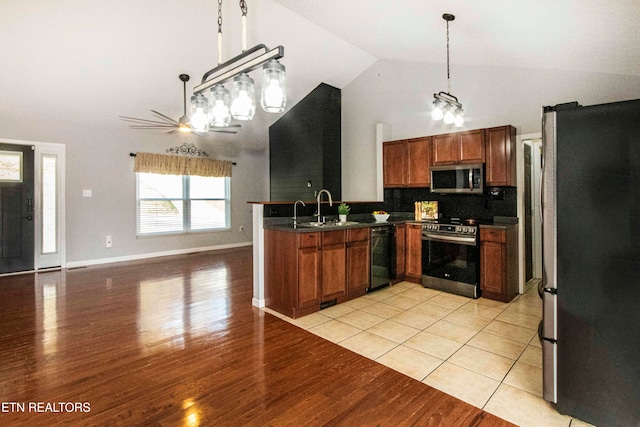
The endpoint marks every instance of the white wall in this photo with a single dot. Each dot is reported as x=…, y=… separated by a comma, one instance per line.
x=98, y=159
x=400, y=94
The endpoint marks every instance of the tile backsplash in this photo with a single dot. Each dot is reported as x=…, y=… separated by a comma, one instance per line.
x=501, y=202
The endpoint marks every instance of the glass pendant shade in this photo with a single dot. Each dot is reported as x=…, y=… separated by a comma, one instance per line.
x=458, y=121
x=274, y=94
x=243, y=99
x=199, y=117
x=448, y=116
x=219, y=102
x=437, y=113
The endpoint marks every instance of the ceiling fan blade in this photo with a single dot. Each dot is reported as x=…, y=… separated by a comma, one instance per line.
x=151, y=127
x=144, y=121
x=224, y=131
x=166, y=117
x=225, y=127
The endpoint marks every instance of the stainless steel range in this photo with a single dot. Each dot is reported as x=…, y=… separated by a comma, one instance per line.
x=451, y=257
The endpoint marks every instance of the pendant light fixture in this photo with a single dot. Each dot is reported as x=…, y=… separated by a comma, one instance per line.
x=240, y=103
x=274, y=95
x=446, y=107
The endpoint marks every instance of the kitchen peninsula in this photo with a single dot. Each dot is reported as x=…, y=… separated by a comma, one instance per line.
x=342, y=243
x=302, y=268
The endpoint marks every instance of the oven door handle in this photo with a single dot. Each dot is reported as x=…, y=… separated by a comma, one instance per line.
x=470, y=241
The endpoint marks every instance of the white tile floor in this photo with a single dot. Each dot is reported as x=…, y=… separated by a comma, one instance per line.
x=481, y=351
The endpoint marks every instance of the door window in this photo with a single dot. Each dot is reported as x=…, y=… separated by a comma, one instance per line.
x=10, y=166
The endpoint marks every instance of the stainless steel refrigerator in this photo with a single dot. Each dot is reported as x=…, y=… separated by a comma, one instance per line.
x=590, y=331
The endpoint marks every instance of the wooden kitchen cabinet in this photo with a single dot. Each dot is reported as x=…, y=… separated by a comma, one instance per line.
x=459, y=148
x=394, y=163
x=472, y=146
x=445, y=149
x=500, y=153
x=292, y=272
x=419, y=161
x=406, y=163
x=413, y=255
x=499, y=262
x=358, y=261
x=303, y=270
x=308, y=278
x=334, y=265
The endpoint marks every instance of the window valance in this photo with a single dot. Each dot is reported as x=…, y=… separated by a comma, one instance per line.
x=181, y=165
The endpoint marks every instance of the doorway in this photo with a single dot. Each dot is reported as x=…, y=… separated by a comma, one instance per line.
x=16, y=208
x=31, y=206
x=532, y=208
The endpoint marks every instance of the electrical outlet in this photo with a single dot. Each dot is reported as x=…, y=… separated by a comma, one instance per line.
x=242, y=228
x=108, y=242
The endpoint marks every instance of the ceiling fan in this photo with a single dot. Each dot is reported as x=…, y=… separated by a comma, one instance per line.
x=166, y=122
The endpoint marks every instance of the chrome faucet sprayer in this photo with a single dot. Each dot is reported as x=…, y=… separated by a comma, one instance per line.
x=318, y=198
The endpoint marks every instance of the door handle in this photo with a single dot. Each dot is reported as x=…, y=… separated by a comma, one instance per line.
x=28, y=217
x=29, y=205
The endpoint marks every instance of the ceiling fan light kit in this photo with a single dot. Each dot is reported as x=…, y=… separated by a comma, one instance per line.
x=446, y=107
x=242, y=105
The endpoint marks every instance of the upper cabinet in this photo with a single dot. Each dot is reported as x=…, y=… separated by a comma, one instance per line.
x=459, y=147
x=394, y=163
x=406, y=162
x=500, y=152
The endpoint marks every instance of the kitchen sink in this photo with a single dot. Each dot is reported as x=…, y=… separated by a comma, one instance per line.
x=315, y=224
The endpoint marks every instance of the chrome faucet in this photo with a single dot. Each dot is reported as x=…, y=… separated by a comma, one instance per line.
x=295, y=212
x=330, y=203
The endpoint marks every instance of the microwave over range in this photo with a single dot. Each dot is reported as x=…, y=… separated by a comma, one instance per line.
x=460, y=179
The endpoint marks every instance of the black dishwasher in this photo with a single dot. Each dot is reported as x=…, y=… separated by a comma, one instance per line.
x=383, y=256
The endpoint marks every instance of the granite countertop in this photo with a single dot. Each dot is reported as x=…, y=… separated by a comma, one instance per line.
x=367, y=223
x=501, y=222
x=363, y=221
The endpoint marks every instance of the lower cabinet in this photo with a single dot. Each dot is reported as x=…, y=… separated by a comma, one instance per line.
x=334, y=265
x=499, y=262
x=303, y=270
x=358, y=261
x=413, y=254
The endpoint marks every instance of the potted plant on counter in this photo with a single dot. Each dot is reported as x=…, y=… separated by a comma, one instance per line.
x=343, y=211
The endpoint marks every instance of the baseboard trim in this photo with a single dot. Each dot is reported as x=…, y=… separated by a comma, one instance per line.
x=89, y=262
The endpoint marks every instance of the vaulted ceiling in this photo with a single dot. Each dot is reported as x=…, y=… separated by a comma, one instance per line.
x=75, y=64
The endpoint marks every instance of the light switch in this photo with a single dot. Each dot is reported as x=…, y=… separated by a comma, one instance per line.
x=86, y=193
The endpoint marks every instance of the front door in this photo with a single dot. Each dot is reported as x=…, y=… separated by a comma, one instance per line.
x=16, y=208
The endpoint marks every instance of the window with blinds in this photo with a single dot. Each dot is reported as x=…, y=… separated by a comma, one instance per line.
x=181, y=203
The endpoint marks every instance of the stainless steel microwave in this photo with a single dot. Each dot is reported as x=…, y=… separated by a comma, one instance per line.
x=460, y=179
